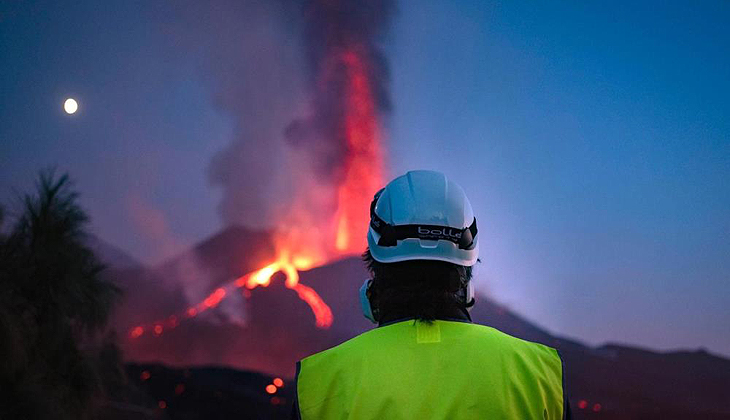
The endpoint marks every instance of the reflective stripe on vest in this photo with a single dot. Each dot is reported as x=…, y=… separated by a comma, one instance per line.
x=442, y=370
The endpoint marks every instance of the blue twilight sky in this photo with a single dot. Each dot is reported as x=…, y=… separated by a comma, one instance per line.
x=593, y=140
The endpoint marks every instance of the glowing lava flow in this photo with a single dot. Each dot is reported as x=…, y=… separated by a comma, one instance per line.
x=322, y=312
x=262, y=277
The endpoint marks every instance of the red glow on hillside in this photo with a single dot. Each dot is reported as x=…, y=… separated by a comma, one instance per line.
x=136, y=332
x=215, y=298
x=179, y=389
x=259, y=278
x=322, y=312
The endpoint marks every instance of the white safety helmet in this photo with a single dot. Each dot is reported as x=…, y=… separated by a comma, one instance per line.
x=423, y=215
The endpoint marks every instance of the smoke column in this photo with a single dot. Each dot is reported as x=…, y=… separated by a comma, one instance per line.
x=341, y=135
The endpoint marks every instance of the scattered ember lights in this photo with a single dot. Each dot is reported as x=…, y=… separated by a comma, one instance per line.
x=136, y=332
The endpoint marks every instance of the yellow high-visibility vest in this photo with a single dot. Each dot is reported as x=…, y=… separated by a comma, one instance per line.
x=439, y=370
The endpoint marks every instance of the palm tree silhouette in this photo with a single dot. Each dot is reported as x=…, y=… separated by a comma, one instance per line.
x=53, y=306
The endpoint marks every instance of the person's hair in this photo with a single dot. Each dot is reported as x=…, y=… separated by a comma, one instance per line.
x=420, y=289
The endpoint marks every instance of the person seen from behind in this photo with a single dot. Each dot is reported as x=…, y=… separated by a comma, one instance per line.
x=426, y=359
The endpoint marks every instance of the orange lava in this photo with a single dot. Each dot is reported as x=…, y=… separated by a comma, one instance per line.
x=214, y=299
x=262, y=277
x=136, y=332
x=259, y=278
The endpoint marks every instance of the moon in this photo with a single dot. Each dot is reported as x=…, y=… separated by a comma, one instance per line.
x=70, y=106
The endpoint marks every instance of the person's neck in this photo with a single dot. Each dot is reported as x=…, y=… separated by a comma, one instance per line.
x=453, y=314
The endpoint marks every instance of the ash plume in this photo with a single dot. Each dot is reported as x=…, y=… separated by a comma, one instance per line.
x=332, y=29
x=270, y=68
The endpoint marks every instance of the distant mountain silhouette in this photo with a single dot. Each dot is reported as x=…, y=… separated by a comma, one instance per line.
x=272, y=328
x=111, y=256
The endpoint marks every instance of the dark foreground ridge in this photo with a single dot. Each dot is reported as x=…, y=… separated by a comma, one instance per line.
x=158, y=392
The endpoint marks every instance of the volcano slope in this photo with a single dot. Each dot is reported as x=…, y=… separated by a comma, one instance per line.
x=268, y=329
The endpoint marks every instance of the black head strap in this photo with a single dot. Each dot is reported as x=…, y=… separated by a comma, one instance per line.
x=390, y=235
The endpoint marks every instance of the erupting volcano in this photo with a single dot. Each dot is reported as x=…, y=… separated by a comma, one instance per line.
x=339, y=144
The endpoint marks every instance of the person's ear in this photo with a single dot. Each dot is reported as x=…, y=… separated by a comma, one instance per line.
x=365, y=303
x=470, y=299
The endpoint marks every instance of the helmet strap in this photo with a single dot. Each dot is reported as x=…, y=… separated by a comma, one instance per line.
x=390, y=235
